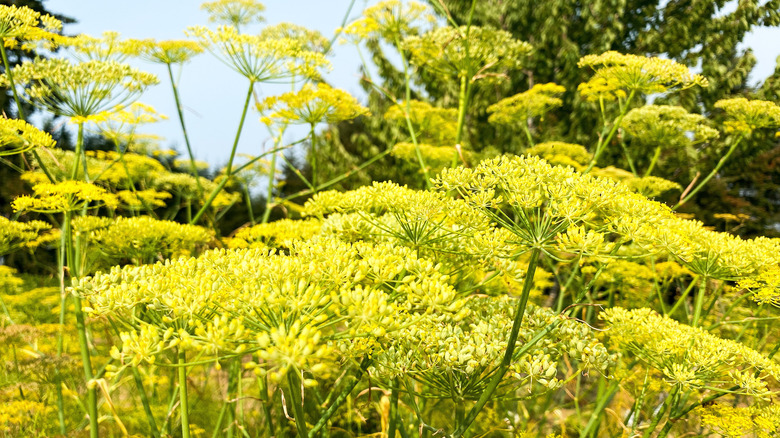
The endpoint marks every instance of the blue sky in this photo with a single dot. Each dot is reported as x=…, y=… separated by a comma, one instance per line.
x=212, y=94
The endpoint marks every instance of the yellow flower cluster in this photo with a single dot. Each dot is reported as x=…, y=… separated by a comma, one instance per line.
x=311, y=105
x=432, y=125
x=234, y=12
x=143, y=239
x=689, y=356
x=436, y=156
x=454, y=356
x=277, y=234
x=170, y=51
x=558, y=197
x=140, y=199
x=473, y=54
x=764, y=287
x=649, y=186
x=109, y=47
x=185, y=186
x=392, y=20
x=22, y=24
x=17, y=136
x=65, y=196
x=260, y=58
x=15, y=234
x=667, y=126
x=618, y=74
x=737, y=422
x=536, y=102
x=559, y=153
x=745, y=116
x=79, y=90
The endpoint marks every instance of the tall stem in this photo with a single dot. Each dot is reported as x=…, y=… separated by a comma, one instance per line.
x=720, y=164
x=193, y=166
x=408, y=96
x=487, y=394
x=296, y=399
x=605, y=140
x=462, y=103
x=313, y=135
x=184, y=403
x=229, y=168
x=269, y=200
x=699, y=304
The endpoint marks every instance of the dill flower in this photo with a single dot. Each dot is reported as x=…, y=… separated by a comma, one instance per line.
x=138, y=199
x=744, y=116
x=738, y=421
x=169, y=51
x=64, y=196
x=667, y=125
x=257, y=58
x=436, y=156
x=689, y=356
x=309, y=39
x=22, y=24
x=444, y=51
x=277, y=234
x=17, y=136
x=108, y=47
x=311, y=105
x=764, y=287
x=559, y=153
x=536, y=102
x=15, y=235
x=392, y=20
x=617, y=74
x=121, y=123
x=144, y=239
x=432, y=124
x=79, y=90
x=234, y=12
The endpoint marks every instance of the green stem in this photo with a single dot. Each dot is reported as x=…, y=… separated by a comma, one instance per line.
x=487, y=394
x=145, y=402
x=629, y=159
x=605, y=141
x=393, y=420
x=720, y=164
x=656, y=155
x=407, y=115
x=296, y=400
x=269, y=200
x=184, y=404
x=313, y=135
x=193, y=166
x=87, y=365
x=341, y=398
x=682, y=297
x=462, y=102
x=229, y=168
x=699, y=304
x=603, y=401
x=662, y=413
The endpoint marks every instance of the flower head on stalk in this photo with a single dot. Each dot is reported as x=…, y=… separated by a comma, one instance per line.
x=258, y=58
x=536, y=102
x=120, y=125
x=745, y=116
x=234, y=12
x=108, y=47
x=26, y=26
x=15, y=234
x=475, y=53
x=617, y=74
x=65, y=196
x=312, y=105
x=17, y=136
x=392, y=20
x=169, y=51
x=83, y=90
x=667, y=125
